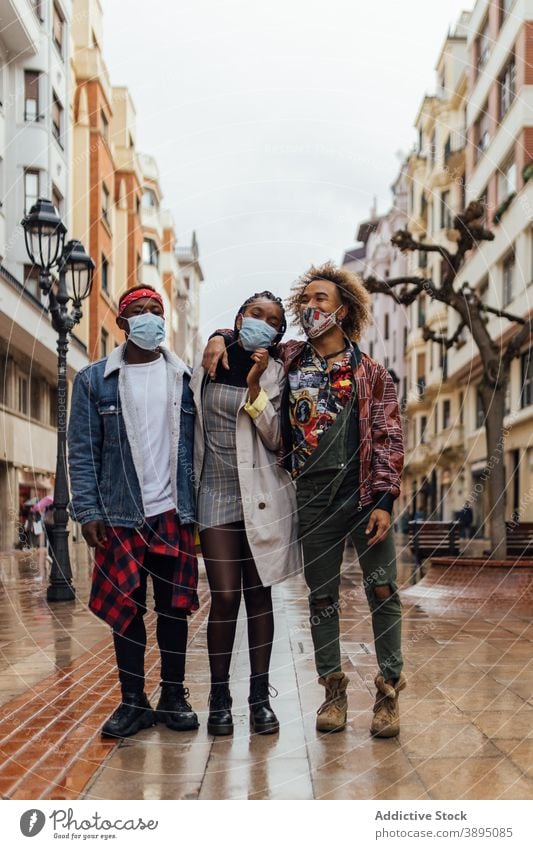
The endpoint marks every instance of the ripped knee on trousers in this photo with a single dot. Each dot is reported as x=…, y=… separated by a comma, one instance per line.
x=323, y=609
x=381, y=594
x=383, y=591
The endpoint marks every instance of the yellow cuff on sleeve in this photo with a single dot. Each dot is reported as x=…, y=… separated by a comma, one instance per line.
x=258, y=405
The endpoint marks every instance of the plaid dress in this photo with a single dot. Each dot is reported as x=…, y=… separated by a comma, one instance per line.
x=116, y=573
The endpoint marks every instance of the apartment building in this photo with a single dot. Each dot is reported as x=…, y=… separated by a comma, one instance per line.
x=34, y=154
x=499, y=166
x=434, y=406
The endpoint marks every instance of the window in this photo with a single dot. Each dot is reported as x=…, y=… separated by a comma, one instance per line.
x=371, y=350
x=31, y=189
x=57, y=199
x=150, y=253
x=432, y=149
x=423, y=428
x=149, y=199
x=483, y=45
x=445, y=414
x=5, y=381
x=507, y=86
x=37, y=6
x=57, y=119
x=526, y=398
x=22, y=394
x=483, y=200
x=480, y=413
x=482, y=131
x=386, y=327
x=35, y=397
x=461, y=408
x=104, y=337
x=52, y=409
x=505, y=7
x=422, y=259
x=421, y=311
x=105, y=203
x=508, y=272
x=405, y=334
x=483, y=290
x=31, y=95
x=105, y=275
x=445, y=214
x=104, y=125
x=507, y=180
x=58, y=28
x=31, y=280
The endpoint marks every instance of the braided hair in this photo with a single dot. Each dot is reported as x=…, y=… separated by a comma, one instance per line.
x=269, y=297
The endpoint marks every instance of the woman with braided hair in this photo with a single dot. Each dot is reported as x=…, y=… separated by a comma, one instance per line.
x=246, y=502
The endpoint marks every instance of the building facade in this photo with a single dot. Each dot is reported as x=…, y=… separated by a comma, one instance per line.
x=434, y=403
x=386, y=337
x=67, y=134
x=499, y=165
x=191, y=277
x=35, y=143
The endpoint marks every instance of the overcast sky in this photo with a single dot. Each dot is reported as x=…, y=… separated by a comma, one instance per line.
x=274, y=124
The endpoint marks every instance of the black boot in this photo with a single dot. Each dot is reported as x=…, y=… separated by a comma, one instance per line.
x=263, y=720
x=133, y=713
x=220, y=720
x=174, y=710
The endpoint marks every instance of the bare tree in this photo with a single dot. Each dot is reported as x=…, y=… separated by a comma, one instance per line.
x=496, y=356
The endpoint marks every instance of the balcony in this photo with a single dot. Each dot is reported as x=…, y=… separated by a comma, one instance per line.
x=454, y=148
x=20, y=28
x=448, y=443
x=417, y=458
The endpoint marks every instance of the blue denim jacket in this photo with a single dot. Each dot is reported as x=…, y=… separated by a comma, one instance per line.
x=105, y=457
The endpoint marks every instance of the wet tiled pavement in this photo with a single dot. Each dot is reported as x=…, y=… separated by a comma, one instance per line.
x=467, y=715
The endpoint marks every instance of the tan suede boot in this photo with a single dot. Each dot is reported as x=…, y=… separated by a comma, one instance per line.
x=331, y=715
x=386, y=720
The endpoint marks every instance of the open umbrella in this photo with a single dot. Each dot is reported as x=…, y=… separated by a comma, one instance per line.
x=44, y=503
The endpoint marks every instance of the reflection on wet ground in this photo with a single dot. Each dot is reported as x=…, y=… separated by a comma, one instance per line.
x=467, y=715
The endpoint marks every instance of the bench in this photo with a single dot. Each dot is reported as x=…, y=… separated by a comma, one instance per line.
x=432, y=539
x=519, y=539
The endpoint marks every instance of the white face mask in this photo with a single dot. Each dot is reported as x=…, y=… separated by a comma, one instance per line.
x=146, y=330
x=315, y=322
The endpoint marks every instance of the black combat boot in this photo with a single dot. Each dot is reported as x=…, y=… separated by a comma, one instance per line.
x=263, y=720
x=174, y=710
x=133, y=713
x=220, y=720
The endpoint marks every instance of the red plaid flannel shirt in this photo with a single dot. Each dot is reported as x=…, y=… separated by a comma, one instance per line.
x=116, y=573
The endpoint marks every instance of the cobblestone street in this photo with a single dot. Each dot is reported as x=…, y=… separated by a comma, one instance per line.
x=467, y=715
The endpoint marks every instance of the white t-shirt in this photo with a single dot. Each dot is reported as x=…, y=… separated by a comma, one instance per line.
x=148, y=386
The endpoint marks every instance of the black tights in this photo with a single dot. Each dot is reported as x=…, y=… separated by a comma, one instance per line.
x=171, y=629
x=230, y=567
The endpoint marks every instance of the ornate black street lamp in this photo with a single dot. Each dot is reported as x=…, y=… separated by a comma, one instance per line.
x=44, y=233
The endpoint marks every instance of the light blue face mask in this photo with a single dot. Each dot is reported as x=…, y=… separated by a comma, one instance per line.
x=255, y=333
x=147, y=330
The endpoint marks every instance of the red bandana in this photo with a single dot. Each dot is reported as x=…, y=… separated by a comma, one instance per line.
x=135, y=295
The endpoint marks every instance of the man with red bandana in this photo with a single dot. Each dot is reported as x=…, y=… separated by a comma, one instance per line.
x=130, y=460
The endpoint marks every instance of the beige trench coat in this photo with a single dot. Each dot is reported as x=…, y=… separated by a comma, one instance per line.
x=268, y=492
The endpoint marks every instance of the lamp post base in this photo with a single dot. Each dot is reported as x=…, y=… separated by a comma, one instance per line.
x=60, y=586
x=61, y=592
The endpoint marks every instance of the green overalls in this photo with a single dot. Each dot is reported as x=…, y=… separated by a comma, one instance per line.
x=328, y=511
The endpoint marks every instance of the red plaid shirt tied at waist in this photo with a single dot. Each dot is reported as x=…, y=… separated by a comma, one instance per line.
x=116, y=573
